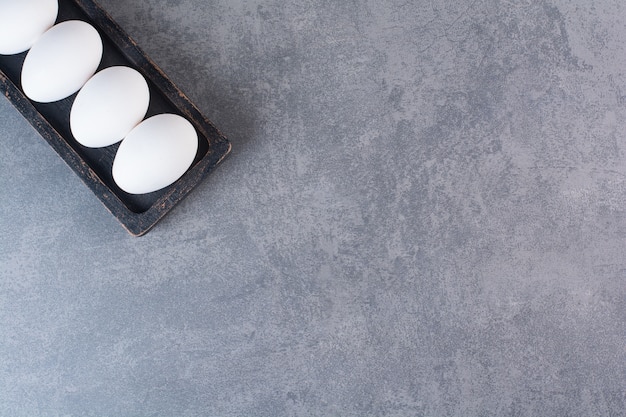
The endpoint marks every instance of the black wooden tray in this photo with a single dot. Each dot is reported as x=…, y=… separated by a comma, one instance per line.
x=137, y=213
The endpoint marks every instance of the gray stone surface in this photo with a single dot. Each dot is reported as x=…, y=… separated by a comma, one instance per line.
x=424, y=215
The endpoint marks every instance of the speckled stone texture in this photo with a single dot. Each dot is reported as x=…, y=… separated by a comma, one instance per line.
x=424, y=214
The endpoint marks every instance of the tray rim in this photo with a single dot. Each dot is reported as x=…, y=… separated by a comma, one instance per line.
x=137, y=224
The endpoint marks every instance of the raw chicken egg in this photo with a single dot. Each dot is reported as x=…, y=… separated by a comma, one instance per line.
x=23, y=22
x=155, y=154
x=109, y=106
x=61, y=61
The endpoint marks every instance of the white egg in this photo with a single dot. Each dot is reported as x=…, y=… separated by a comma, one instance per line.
x=155, y=154
x=23, y=22
x=108, y=106
x=61, y=61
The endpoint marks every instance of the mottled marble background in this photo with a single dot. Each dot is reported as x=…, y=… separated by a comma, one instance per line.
x=424, y=214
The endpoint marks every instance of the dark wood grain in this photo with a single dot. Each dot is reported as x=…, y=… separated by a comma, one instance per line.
x=137, y=213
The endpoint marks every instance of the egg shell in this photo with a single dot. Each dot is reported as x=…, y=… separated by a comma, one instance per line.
x=61, y=61
x=109, y=106
x=23, y=22
x=155, y=154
